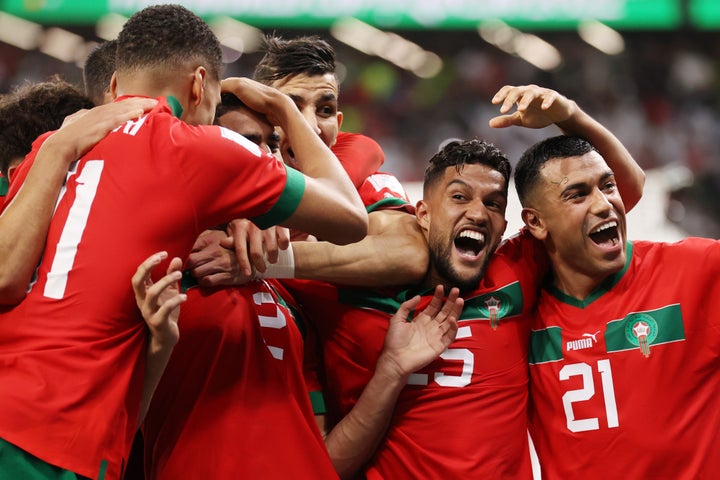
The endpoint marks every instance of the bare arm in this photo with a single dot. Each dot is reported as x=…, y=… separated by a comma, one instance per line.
x=159, y=304
x=330, y=207
x=539, y=107
x=409, y=346
x=393, y=253
x=25, y=222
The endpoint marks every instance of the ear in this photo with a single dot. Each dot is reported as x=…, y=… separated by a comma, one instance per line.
x=11, y=172
x=534, y=223
x=340, y=119
x=197, y=90
x=422, y=214
x=113, y=86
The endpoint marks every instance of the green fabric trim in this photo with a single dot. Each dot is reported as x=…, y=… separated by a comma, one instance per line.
x=16, y=463
x=600, y=290
x=103, y=469
x=545, y=345
x=287, y=203
x=187, y=281
x=175, y=106
x=664, y=325
x=4, y=185
x=385, y=203
x=508, y=300
x=378, y=301
x=317, y=400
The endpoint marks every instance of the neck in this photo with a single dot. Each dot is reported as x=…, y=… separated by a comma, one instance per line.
x=151, y=84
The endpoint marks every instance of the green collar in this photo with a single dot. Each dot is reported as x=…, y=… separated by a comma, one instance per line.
x=175, y=106
x=600, y=290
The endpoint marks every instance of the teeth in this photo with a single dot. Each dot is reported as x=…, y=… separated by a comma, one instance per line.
x=605, y=227
x=477, y=236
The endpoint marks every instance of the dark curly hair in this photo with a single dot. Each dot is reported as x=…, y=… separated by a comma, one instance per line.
x=308, y=55
x=167, y=36
x=98, y=69
x=468, y=152
x=31, y=110
x=527, y=172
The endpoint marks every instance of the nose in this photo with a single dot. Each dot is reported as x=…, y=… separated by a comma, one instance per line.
x=600, y=202
x=477, y=212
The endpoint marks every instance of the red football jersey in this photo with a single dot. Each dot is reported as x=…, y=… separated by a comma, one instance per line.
x=463, y=416
x=72, y=353
x=626, y=384
x=359, y=155
x=232, y=402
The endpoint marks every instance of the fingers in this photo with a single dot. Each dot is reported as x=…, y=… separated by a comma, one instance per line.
x=141, y=279
x=282, y=237
x=165, y=284
x=240, y=236
x=403, y=313
x=256, y=248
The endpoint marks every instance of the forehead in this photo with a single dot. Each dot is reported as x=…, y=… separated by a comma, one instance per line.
x=308, y=86
x=587, y=168
x=476, y=176
x=245, y=121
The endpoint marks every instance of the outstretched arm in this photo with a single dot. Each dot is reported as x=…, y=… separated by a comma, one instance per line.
x=393, y=253
x=159, y=304
x=409, y=346
x=539, y=107
x=25, y=221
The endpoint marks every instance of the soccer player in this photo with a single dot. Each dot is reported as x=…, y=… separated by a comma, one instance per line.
x=232, y=394
x=72, y=353
x=624, y=346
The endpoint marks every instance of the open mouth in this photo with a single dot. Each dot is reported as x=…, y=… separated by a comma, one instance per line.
x=470, y=243
x=606, y=234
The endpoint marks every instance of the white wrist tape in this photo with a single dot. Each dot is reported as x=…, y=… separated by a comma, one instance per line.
x=283, y=268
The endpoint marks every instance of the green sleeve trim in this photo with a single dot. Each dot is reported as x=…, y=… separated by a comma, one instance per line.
x=385, y=203
x=317, y=400
x=287, y=203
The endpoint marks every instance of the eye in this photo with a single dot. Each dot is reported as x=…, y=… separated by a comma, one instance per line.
x=327, y=111
x=610, y=187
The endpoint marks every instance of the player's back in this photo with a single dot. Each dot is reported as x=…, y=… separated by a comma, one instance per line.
x=72, y=353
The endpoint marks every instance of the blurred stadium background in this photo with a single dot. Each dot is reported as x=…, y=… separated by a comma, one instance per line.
x=416, y=72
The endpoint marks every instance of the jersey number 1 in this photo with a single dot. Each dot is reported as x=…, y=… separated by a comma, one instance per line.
x=66, y=249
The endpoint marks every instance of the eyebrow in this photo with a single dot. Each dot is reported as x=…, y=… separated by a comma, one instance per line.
x=578, y=185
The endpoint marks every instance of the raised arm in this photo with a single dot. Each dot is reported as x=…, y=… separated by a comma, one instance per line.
x=330, y=207
x=409, y=346
x=159, y=303
x=25, y=220
x=539, y=107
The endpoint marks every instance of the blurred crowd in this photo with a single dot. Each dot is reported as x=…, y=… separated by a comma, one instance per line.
x=660, y=95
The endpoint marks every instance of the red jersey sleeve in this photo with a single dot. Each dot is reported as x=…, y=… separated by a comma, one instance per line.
x=382, y=191
x=359, y=155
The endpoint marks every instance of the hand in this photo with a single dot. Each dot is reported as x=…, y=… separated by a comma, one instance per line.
x=537, y=107
x=212, y=263
x=252, y=245
x=159, y=302
x=411, y=345
x=82, y=130
x=263, y=99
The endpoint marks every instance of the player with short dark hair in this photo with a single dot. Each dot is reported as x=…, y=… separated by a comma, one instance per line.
x=73, y=354
x=624, y=376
